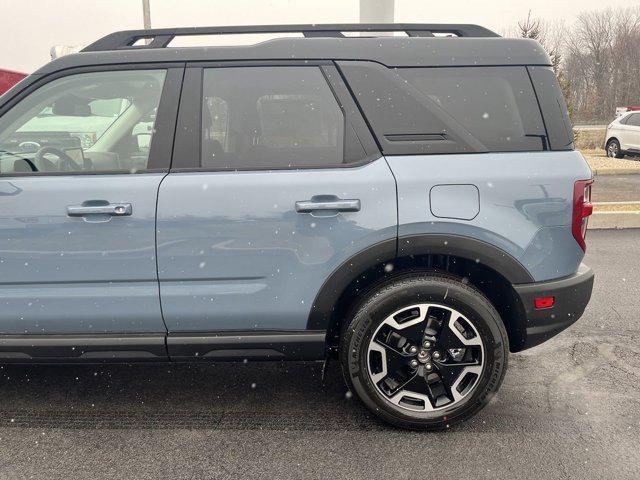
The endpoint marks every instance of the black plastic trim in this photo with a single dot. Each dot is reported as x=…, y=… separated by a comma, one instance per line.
x=188, y=144
x=469, y=248
x=165, y=124
x=415, y=137
x=163, y=36
x=328, y=295
x=411, y=245
x=390, y=51
x=254, y=345
x=571, y=296
x=82, y=348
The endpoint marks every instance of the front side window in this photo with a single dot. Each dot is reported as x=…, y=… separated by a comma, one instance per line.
x=88, y=122
x=269, y=117
x=634, y=120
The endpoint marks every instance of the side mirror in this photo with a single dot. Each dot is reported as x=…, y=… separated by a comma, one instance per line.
x=70, y=106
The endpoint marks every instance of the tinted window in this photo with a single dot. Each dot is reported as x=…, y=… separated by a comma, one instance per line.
x=102, y=121
x=404, y=120
x=634, y=120
x=554, y=108
x=496, y=105
x=269, y=117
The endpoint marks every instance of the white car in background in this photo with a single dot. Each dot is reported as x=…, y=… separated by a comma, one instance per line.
x=623, y=135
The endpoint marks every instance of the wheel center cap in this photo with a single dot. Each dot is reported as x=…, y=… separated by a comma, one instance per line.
x=424, y=356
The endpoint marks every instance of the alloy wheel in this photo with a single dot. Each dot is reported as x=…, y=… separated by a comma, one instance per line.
x=425, y=357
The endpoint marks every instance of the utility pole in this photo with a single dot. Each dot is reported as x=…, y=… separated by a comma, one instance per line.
x=376, y=11
x=146, y=14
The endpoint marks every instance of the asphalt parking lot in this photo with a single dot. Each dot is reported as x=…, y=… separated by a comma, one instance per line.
x=616, y=188
x=568, y=409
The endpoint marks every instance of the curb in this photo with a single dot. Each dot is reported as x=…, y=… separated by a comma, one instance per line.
x=618, y=220
x=605, y=215
x=615, y=171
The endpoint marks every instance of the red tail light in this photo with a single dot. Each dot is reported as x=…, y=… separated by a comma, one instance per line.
x=582, y=208
x=543, y=302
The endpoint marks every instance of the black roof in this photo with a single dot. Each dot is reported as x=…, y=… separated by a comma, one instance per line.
x=424, y=45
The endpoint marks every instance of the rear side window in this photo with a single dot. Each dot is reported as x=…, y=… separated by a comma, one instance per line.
x=448, y=110
x=496, y=105
x=270, y=117
x=554, y=108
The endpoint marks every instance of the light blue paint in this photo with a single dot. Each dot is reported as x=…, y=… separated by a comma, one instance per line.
x=233, y=254
x=66, y=275
x=460, y=202
x=525, y=203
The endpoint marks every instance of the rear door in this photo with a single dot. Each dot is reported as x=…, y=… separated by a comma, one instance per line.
x=82, y=158
x=275, y=182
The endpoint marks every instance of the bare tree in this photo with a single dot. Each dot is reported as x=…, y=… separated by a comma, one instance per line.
x=596, y=60
x=551, y=37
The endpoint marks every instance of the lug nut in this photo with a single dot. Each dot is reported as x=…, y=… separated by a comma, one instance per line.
x=428, y=367
x=413, y=363
x=413, y=349
x=437, y=355
x=426, y=344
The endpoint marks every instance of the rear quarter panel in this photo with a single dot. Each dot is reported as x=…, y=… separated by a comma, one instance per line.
x=525, y=203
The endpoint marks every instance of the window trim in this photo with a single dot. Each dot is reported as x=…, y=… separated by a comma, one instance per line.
x=187, y=150
x=552, y=108
x=162, y=145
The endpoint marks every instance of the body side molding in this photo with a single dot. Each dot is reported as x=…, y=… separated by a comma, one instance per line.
x=253, y=345
x=61, y=348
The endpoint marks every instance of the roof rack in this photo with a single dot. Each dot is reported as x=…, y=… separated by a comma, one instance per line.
x=162, y=37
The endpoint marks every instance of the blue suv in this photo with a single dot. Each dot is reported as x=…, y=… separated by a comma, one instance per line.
x=410, y=204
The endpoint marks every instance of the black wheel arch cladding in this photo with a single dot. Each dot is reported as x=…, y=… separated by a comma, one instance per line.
x=320, y=316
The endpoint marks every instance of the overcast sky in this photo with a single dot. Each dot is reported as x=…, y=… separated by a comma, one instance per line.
x=29, y=28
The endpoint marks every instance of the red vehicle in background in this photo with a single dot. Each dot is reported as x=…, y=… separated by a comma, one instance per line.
x=623, y=110
x=9, y=78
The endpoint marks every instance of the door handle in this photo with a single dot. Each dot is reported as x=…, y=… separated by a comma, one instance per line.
x=308, y=206
x=113, y=209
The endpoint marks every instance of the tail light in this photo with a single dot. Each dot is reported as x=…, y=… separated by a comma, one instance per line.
x=582, y=208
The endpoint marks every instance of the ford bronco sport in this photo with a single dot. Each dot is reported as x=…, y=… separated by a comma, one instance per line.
x=412, y=204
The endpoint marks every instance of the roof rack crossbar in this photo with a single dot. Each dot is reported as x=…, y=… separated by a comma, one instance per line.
x=162, y=37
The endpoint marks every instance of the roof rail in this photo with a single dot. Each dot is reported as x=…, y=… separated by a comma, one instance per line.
x=161, y=37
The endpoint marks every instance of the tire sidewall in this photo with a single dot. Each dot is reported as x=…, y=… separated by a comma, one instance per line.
x=439, y=290
x=618, y=152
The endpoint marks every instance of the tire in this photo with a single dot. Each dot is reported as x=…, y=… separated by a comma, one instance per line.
x=613, y=149
x=402, y=302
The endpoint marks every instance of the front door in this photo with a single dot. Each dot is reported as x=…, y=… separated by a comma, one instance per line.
x=81, y=161
x=286, y=186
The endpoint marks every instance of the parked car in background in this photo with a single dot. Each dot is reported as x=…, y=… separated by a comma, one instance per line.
x=9, y=78
x=623, y=135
